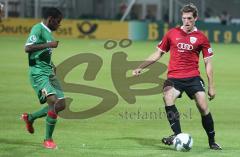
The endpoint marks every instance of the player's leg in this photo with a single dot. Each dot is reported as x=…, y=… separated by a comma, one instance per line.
x=43, y=111
x=195, y=90
x=29, y=118
x=207, y=120
x=55, y=106
x=170, y=94
x=38, y=114
x=56, y=103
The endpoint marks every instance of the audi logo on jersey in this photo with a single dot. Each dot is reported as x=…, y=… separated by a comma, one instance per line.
x=184, y=46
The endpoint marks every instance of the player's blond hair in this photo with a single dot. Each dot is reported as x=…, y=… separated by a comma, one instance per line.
x=190, y=8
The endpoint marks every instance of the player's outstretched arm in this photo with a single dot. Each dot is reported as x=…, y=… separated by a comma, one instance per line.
x=37, y=47
x=150, y=60
x=209, y=71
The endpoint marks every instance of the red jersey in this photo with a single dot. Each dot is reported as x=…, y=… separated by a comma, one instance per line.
x=184, y=51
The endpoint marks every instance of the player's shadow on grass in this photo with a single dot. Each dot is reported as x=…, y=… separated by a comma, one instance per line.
x=13, y=147
x=147, y=142
x=9, y=141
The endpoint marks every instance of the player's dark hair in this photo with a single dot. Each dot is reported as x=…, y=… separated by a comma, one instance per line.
x=190, y=8
x=54, y=12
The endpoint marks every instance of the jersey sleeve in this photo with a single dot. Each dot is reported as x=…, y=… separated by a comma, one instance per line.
x=34, y=36
x=164, y=45
x=206, y=48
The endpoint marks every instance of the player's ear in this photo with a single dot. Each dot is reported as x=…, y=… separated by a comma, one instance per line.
x=50, y=19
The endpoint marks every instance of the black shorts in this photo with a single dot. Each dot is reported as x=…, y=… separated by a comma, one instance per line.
x=190, y=85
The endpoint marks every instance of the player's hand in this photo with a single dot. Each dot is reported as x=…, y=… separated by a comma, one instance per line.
x=53, y=44
x=211, y=93
x=137, y=72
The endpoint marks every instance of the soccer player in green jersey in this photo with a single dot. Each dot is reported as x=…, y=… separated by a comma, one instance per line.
x=39, y=46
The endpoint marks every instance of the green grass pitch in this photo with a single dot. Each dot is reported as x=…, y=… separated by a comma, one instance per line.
x=113, y=133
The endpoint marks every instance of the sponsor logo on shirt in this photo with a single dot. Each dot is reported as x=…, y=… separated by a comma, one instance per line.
x=184, y=46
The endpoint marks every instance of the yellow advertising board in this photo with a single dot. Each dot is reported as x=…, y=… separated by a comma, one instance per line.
x=16, y=26
x=70, y=28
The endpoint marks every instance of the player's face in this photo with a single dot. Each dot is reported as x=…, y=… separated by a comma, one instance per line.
x=54, y=23
x=188, y=21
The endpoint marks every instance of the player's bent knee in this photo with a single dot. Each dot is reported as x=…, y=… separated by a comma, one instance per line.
x=51, y=99
x=168, y=100
x=60, y=105
x=204, y=110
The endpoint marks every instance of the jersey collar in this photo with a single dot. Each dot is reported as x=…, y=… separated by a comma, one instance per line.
x=194, y=29
x=46, y=27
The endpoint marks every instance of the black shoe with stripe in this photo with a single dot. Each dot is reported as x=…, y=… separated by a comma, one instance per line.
x=168, y=140
x=215, y=146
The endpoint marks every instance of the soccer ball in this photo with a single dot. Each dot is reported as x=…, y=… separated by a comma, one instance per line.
x=183, y=142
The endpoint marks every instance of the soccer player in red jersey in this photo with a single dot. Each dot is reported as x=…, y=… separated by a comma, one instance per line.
x=185, y=44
